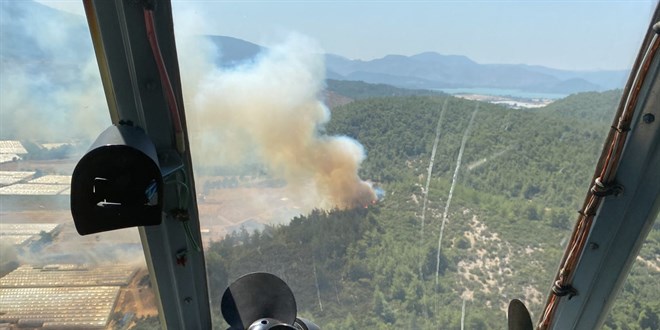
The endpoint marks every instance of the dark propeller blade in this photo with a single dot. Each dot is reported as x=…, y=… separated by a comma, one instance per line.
x=519, y=318
x=257, y=296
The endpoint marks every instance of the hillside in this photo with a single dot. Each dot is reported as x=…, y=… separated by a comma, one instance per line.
x=522, y=173
x=234, y=51
x=591, y=106
x=359, y=90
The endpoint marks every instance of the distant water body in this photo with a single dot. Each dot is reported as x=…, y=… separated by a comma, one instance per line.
x=503, y=92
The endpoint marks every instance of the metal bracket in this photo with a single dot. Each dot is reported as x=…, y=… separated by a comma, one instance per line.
x=601, y=190
x=132, y=87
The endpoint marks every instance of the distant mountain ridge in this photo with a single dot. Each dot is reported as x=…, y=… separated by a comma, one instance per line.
x=430, y=70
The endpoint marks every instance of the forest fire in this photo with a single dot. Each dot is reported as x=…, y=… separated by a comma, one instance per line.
x=380, y=195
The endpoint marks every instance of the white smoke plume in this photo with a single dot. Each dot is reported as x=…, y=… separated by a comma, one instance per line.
x=270, y=111
x=50, y=86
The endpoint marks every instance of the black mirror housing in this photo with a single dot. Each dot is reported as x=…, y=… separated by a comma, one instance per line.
x=118, y=183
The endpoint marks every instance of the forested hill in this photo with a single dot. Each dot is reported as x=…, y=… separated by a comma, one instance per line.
x=592, y=106
x=359, y=90
x=512, y=153
x=521, y=177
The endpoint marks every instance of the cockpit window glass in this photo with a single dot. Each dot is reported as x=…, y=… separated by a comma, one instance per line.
x=52, y=107
x=399, y=164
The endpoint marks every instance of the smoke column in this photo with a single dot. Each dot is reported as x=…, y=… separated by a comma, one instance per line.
x=451, y=191
x=269, y=111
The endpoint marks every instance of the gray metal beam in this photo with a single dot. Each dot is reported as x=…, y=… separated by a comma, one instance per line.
x=622, y=222
x=134, y=93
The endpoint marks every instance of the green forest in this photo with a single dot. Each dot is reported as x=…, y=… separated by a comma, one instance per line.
x=523, y=175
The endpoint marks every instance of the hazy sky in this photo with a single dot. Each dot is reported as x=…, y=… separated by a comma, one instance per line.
x=561, y=34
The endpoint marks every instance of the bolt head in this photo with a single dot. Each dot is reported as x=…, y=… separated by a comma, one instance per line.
x=648, y=118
